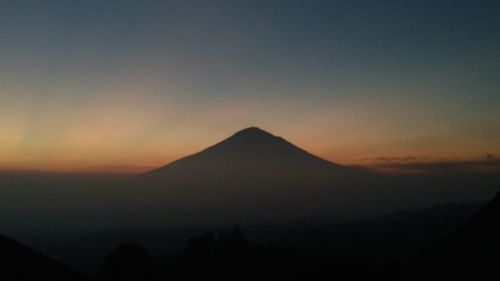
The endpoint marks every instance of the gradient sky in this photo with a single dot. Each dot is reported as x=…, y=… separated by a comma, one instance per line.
x=129, y=85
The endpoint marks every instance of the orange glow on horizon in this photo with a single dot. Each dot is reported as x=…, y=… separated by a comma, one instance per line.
x=123, y=131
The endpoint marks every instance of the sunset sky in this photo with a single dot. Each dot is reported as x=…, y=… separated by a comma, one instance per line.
x=131, y=85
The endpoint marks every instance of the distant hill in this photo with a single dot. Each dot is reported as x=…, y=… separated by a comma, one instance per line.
x=480, y=236
x=21, y=263
x=472, y=251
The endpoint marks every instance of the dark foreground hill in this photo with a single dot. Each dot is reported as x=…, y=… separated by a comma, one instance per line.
x=387, y=247
x=20, y=263
x=471, y=252
x=481, y=234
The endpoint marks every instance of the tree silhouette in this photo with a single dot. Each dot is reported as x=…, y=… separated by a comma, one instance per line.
x=128, y=261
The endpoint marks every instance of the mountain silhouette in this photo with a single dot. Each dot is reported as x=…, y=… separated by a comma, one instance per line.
x=254, y=173
x=19, y=262
x=251, y=147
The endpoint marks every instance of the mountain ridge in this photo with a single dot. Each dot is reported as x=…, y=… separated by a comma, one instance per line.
x=251, y=142
x=252, y=175
x=20, y=262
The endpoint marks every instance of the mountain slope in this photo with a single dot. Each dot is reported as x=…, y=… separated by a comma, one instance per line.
x=24, y=264
x=251, y=147
x=471, y=252
x=480, y=235
x=254, y=174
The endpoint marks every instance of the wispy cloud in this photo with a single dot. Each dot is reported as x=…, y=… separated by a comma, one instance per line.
x=412, y=164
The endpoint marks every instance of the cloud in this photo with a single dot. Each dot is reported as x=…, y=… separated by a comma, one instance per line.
x=488, y=164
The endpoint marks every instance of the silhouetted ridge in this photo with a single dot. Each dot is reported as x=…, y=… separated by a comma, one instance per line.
x=249, y=147
x=472, y=252
x=481, y=232
x=254, y=141
x=252, y=132
x=254, y=174
x=253, y=136
x=19, y=262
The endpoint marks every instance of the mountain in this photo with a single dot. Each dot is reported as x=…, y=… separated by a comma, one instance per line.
x=471, y=252
x=249, y=148
x=254, y=174
x=479, y=235
x=21, y=263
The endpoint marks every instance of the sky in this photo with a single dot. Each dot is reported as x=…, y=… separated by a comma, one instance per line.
x=125, y=86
